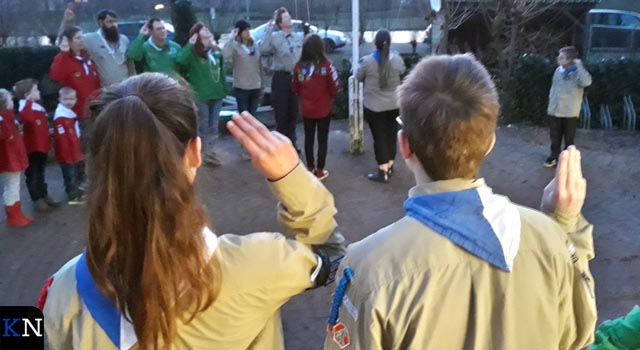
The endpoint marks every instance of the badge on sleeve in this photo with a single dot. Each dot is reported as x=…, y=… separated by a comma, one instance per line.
x=323, y=71
x=38, y=122
x=77, y=74
x=60, y=129
x=341, y=335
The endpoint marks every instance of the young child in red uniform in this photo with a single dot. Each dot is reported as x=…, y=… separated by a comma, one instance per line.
x=315, y=80
x=66, y=135
x=37, y=141
x=13, y=160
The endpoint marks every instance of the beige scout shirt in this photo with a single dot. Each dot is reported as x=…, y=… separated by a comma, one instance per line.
x=375, y=98
x=260, y=272
x=285, y=48
x=565, y=96
x=247, y=70
x=113, y=65
x=413, y=289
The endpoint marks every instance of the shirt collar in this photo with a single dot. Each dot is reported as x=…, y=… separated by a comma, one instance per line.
x=445, y=186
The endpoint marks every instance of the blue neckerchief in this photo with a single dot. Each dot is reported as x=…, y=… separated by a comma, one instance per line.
x=376, y=56
x=103, y=310
x=459, y=216
x=568, y=71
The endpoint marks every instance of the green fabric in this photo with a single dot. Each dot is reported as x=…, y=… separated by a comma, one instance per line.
x=206, y=78
x=619, y=334
x=163, y=61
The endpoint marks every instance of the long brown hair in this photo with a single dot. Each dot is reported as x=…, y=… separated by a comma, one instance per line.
x=198, y=47
x=383, y=43
x=145, y=222
x=313, y=50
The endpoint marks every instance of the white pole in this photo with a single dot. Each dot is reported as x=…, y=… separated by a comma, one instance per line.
x=355, y=88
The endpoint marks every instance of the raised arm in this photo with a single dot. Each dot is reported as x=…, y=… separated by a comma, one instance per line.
x=563, y=200
x=135, y=51
x=266, y=45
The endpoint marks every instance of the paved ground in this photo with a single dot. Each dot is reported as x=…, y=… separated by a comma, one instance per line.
x=239, y=201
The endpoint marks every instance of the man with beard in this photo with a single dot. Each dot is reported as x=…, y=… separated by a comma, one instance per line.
x=107, y=47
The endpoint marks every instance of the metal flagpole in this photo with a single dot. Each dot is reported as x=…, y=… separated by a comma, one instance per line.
x=355, y=88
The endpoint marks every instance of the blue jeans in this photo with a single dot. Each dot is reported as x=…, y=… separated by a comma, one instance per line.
x=69, y=174
x=247, y=100
x=208, y=114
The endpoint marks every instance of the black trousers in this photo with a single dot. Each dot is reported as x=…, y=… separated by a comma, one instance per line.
x=310, y=126
x=35, y=175
x=562, y=128
x=384, y=129
x=285, y=105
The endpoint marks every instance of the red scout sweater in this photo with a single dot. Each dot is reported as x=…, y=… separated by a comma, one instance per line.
x=317, y=87
x=13, y=156
x=36, y=127
x=69, y=71
x=66, y=136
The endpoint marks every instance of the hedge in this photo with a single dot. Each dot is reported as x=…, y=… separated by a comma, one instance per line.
x=17, y=63
x=525, y=97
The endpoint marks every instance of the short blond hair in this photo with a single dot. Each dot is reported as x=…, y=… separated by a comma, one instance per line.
x=66, y=91
x=5, y=97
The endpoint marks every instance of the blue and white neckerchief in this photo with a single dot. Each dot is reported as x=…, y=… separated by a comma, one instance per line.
x=86, y=62
x=477, y=220
x=106, y=314
x=567, y=71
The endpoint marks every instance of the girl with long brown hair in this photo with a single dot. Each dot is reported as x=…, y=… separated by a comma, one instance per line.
x=315, y=80
x=153, y=273
x=381, y=73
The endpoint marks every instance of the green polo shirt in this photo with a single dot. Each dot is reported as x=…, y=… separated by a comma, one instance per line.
x=206, y=75
x=154, y=58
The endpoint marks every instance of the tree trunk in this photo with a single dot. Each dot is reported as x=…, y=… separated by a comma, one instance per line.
x=183, y=19
x=512, y=50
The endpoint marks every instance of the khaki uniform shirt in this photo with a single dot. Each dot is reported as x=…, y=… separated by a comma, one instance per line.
x=113, y=65
x=374, y=97
x=414, y=289
x=285, y=49
x=259, y=273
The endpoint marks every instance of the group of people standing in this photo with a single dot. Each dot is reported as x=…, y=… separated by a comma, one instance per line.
x=454, y=273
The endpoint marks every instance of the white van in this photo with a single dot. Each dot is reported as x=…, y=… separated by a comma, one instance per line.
x=613, y=34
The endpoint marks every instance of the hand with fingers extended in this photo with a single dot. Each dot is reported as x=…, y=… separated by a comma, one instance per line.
x=271, y=152
x=567, y=191
x=144, y=30
x=194, y=39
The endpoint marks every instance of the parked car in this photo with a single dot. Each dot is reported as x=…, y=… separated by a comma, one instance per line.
x=612, y=34
x=332, y=39
x=132, y=29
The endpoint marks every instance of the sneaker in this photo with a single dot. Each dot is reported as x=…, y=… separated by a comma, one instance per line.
x=76, y=200
x=379, y=176
x=52, y=203
x=321, y=174
x=41, y=205
x=551, y=162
